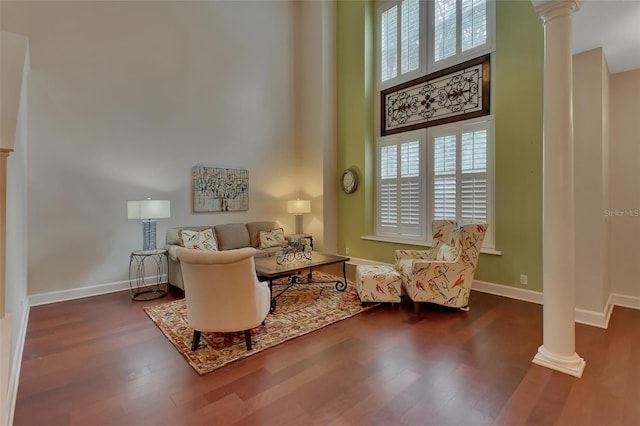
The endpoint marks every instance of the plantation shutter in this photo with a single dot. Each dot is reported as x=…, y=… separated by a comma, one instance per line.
x=388, y=187
x=461, y=30
x=400, y=190
x=474, y=24
x=410, y=35
x=444, y=182
x=410, y=184
x=445, y=29
x=389, y=44
x=473, y=159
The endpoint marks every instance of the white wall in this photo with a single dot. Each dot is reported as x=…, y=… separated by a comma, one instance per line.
x=125, y=97
x=624, y=222
x=591, y=142
x=315, y=119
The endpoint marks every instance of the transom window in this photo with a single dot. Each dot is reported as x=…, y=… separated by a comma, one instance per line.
x=447, y=32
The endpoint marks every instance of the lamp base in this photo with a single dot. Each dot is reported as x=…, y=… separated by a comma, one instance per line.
x=148, y=234
x=299, y=224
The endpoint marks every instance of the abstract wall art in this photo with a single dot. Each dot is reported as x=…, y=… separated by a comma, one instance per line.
x=218, y=189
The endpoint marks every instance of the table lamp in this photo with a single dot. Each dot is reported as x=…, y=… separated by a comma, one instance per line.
x=299, y=207
x=148, y=210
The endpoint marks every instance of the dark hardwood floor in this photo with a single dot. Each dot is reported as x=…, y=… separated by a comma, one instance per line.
x=101, y=361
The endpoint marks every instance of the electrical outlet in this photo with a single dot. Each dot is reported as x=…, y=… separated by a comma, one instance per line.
x=524, y=279
x=347, y=250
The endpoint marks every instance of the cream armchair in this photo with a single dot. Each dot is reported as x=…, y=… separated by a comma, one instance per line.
x=444, y=273
x=222, y=291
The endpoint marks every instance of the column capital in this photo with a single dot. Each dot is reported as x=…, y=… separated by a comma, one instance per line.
x=552, y=9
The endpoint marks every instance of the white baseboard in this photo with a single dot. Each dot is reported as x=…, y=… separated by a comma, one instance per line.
x=76, y=293
x=625, y=301
x=595, y=318
x=506, y=291
x=582, y=316
x=16, y=365
x=358, y=261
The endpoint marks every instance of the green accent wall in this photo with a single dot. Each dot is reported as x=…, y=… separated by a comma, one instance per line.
x=517, y=102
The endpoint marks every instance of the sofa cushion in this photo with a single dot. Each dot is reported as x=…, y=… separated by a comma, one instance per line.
x=273, y=238
x=232, y=235
x=173, y=234
x=199, y=240
x=254, y=229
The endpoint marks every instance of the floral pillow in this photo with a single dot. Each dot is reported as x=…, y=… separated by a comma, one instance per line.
x=199, y=240
x=273, y=238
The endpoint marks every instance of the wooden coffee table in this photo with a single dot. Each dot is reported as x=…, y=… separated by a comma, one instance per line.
x=268, y=268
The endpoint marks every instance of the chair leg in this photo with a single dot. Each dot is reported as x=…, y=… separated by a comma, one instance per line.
x=196, y=340
x=247, y=339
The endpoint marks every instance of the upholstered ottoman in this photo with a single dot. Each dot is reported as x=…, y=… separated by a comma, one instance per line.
x=378, y=283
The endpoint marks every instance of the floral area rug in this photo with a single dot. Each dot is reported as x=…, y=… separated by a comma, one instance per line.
x=300, y=310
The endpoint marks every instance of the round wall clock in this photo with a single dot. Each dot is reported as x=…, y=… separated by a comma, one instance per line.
x=349, y=181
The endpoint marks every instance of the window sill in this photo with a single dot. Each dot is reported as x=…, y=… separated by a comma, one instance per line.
x=485, y=250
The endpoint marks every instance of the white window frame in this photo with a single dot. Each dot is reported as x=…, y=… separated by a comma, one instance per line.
x=422, y=60
x=460, y=56
x=417, y=233
x=457, y=128
x=426, y=138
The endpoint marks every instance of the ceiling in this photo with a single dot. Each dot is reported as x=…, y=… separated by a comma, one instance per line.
x=613, y=25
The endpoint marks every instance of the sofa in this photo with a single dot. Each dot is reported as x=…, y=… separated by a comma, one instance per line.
x=227, y=236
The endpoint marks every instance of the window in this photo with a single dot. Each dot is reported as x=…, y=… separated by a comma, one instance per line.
x=400, y=190
x=400, y=38
x=445, y=173
x=461, y=30
x=458, y=30
x=461, y=184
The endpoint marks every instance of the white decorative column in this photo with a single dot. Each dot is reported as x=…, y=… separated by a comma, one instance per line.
x=558, y=255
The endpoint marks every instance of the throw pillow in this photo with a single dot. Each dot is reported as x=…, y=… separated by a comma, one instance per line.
x=273, y=238
x=199, y=240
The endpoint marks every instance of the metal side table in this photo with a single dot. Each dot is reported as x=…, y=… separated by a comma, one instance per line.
x=150, y=287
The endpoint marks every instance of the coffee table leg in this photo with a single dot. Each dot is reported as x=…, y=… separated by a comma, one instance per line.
x=273, y=300
x=342, y=285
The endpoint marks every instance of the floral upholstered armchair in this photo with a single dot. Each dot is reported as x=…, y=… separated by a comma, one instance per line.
x=442, y=274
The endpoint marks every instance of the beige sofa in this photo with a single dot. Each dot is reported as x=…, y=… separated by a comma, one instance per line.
x=228, y=236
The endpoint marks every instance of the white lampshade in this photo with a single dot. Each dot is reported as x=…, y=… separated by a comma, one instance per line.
x=299, y=206
x=149, y=209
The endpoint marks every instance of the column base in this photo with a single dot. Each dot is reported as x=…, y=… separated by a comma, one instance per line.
x=572, y=365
